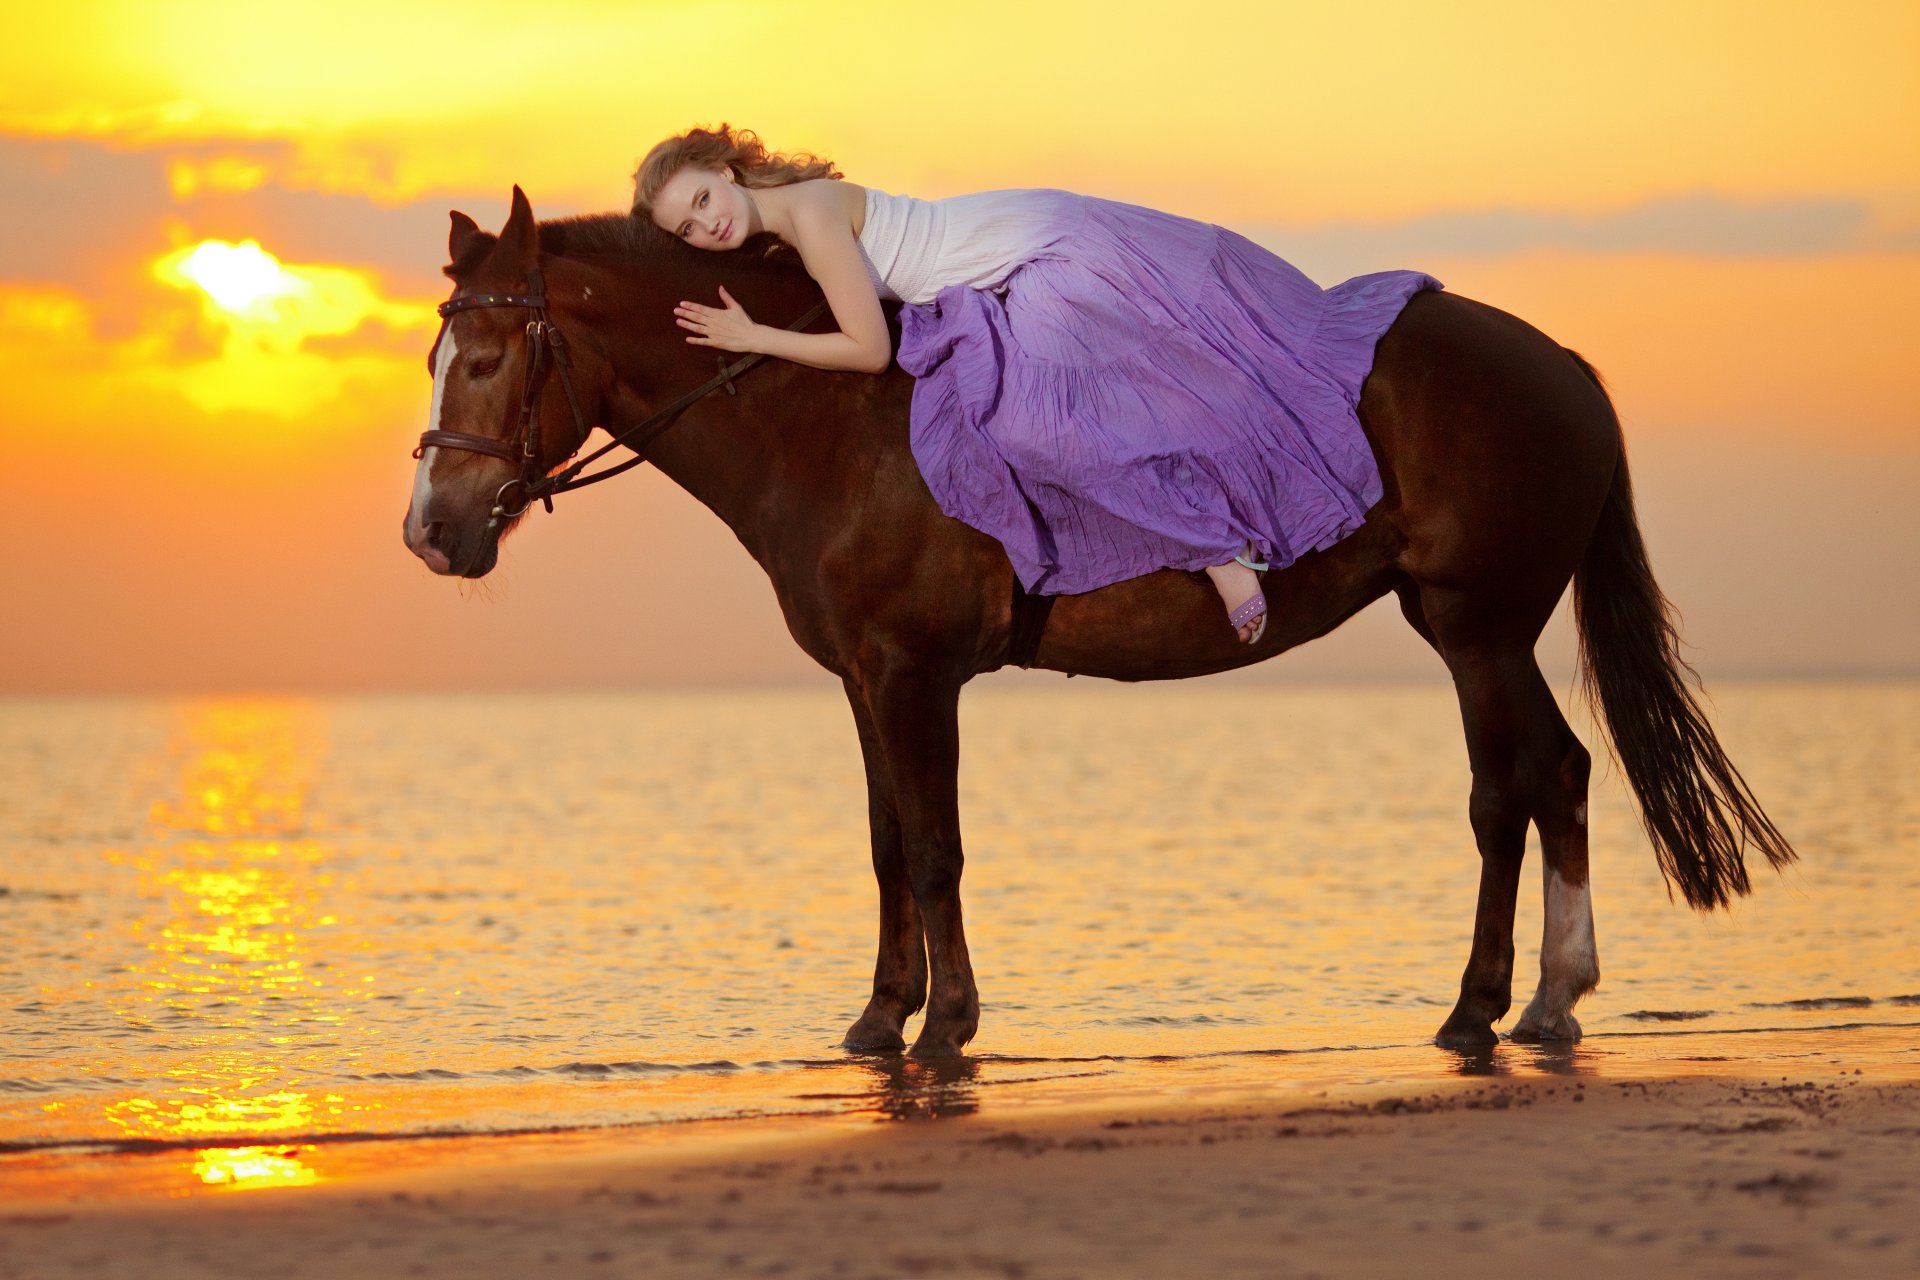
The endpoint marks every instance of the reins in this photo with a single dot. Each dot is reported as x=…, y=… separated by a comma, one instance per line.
x=543, y=340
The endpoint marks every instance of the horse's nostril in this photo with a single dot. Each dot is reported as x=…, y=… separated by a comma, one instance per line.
x=432, y=533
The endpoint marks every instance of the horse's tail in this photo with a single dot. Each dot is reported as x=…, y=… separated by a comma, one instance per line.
x=1696, y=806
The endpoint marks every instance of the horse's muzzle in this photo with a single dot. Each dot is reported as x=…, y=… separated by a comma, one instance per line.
x=445, y=551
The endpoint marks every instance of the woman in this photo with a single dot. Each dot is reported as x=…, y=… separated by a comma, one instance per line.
x=1105, y=389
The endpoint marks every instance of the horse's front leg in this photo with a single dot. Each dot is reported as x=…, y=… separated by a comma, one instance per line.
x=916, y=725
x=900, y=969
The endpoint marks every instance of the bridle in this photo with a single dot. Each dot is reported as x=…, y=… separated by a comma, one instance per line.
x=544, y=340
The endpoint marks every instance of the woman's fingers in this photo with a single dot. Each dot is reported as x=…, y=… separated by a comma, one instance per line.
x=711, y=326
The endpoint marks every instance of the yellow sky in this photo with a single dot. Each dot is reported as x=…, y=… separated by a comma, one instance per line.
x=1718, y=203
x=1315, y=110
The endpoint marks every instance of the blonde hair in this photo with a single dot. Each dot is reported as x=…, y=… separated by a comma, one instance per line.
x=724, y=148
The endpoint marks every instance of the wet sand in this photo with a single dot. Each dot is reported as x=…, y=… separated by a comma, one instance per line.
x=1813, y=1174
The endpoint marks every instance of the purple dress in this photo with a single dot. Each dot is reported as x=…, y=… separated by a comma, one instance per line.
x=1108, y=390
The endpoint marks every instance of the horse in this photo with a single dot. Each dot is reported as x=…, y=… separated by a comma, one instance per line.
x=1505, y=478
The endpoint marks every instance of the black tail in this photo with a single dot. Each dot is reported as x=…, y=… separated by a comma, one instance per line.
x=1696, y=806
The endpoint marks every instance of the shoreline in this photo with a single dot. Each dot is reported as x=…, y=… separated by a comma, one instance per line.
x=1808, y=1172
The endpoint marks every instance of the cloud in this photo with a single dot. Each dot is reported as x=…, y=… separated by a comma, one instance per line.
x=72, y=208
x=96, y=298
x=92, y=286
x=88, y=216
x=1701, y=224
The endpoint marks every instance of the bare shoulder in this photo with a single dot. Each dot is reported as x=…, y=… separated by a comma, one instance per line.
x=827, y=200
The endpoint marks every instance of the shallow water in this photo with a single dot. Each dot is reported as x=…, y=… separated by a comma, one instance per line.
x=243, y=931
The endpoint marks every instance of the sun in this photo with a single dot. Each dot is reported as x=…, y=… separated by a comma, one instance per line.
x=240, y=278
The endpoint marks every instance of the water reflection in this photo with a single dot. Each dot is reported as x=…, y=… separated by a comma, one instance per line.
x=234, y=884
x=1482, y=1060
x=269, y=924
x=254, y=1167
x=910, y=1089
x=1557, y=1058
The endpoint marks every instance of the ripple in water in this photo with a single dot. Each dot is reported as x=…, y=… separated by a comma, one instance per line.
x=238, y=923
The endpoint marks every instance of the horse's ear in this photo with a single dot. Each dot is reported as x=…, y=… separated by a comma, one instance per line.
x=520, y=238
x=467, y=244
x=464, y=230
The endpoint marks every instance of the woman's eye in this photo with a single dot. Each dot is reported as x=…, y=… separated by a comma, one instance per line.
x=703, y=199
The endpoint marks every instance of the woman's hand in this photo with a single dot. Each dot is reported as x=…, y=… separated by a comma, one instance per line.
x=729, y=328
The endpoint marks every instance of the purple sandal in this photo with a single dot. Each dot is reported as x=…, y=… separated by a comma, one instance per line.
x=1254, y=607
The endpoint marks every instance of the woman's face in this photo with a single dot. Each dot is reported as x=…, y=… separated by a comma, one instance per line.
x=706, y=208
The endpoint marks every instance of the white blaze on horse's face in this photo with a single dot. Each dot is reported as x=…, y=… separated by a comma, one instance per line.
x=423, y=472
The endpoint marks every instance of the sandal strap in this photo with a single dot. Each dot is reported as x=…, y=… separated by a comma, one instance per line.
x=1258, y=566
x=1252, y=607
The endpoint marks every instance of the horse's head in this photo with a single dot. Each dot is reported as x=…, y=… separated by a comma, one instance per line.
x=466, y=495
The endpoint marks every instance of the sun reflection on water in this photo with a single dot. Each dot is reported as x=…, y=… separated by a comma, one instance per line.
x=254, y=1167
x=268, y=927
x=236, y=880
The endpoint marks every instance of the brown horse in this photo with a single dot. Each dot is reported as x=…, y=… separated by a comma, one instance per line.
x=1505, y=478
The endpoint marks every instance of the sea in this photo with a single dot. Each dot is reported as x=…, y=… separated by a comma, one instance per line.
x=240, y=938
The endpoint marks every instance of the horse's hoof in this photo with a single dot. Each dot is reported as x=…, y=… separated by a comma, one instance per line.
x=1542, y=1028
x=874, y=1035
x=1460, y=1033
x=934, y=1042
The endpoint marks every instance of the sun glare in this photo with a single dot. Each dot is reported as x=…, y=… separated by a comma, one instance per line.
x=269, y=311
x=254, y=1167
x=238, y=277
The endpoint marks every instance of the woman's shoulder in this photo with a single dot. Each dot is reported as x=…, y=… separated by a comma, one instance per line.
x=828, y=194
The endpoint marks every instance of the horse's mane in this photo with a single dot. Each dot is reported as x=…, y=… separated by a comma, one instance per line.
x=630, y=239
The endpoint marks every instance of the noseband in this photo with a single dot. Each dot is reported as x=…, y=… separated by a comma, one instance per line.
x=544, y=340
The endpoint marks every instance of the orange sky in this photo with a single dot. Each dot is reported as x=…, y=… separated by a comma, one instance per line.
x=1718, y=204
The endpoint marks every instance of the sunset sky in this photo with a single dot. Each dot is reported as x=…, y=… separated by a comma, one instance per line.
x=224, y=223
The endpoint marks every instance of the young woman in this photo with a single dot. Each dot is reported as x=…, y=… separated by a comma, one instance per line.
x=1105, y=389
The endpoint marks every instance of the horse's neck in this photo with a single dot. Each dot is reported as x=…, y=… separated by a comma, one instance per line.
x=725, y=449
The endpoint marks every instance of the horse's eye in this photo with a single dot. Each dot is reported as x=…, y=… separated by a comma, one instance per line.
x=485, y=368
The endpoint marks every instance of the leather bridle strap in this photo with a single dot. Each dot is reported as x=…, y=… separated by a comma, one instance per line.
x=643, y=433
x=544, y=336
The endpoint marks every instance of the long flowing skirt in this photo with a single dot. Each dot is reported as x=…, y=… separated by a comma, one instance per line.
x=1148, y=392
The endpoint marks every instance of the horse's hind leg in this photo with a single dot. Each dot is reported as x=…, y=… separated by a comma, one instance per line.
x=1569, y=959
x=900, y=969
x=1527, y=767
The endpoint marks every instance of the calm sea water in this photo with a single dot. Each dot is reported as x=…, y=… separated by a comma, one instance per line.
x=240, y=931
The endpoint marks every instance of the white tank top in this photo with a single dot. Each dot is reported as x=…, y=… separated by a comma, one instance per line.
x=915, y=248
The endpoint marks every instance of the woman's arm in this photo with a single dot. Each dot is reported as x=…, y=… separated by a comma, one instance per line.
x=826, y=243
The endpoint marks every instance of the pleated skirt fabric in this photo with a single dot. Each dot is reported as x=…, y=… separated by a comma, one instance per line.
x=1147, y=392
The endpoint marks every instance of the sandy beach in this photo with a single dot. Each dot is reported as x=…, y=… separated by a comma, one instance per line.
x=1806, y=1175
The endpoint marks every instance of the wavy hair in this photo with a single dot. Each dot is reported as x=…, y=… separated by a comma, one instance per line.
x=724, y=148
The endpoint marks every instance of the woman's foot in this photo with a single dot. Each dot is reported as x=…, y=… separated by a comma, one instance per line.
x=1238, y=583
